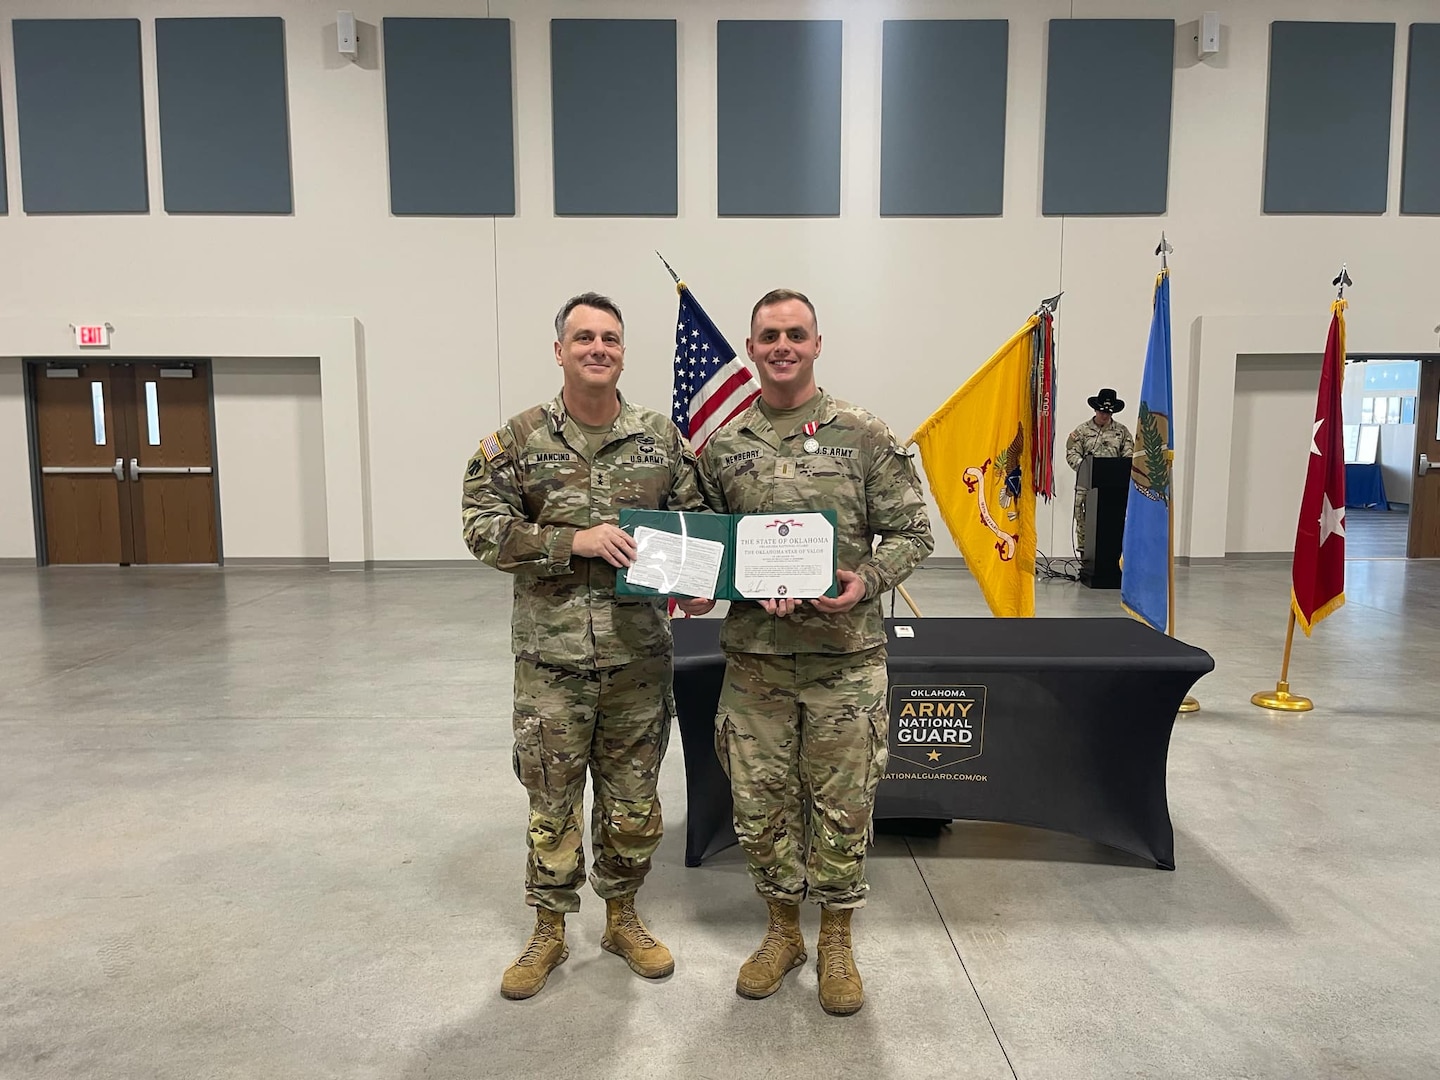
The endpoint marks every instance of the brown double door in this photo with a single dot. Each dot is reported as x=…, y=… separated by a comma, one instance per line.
x=126, y=462
x=1424, y=541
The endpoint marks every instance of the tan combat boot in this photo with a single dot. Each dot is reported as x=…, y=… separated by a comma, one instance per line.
x=781, y=950
x=544, y=952
x=626, y=936
x=841, y=991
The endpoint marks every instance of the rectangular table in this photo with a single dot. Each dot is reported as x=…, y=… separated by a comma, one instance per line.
x=1062, y=724
x=1365, y=487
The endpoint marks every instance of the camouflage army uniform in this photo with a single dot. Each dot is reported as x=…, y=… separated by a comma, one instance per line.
x=593, y=674
x=802, y=717
x=1091, y=440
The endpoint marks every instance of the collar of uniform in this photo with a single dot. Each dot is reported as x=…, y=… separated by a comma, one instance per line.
x=755, y=421
x=827, y=409
x=556, y=413
x=758, y=424
x=626, y=424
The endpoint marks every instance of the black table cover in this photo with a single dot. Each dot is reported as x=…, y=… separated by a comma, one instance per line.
x=1062, y=724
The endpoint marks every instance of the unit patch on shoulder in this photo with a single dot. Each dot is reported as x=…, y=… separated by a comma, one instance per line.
x=491, y=447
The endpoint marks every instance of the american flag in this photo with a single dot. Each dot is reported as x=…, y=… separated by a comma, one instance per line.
x=711, y=385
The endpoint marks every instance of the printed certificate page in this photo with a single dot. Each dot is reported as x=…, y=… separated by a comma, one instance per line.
x=675, y=563
x=784, y=555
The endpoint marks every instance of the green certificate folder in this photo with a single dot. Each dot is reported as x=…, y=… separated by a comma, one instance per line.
x=679, y=554
x=730, y=556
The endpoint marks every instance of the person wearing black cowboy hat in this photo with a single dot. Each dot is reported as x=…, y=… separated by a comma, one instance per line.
x=1101, y=436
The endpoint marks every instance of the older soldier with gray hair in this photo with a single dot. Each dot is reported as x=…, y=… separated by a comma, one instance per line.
x=542, y=499
x=802, y=723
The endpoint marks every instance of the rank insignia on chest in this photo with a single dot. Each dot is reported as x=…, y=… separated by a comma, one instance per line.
x=785, y=469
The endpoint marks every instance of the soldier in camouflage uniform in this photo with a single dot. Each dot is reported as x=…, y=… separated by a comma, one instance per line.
x=1103, y=436
x=542, y=500
x=802, y=724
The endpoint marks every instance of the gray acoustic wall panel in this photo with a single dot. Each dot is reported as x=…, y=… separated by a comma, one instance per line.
x=942, y=125
x=1420, y=178
x=1107, y=116
x=449, y=116
x=779, y=118
x=82, y=116
x=616, y=148
x=224, y=128
x=1327, y=126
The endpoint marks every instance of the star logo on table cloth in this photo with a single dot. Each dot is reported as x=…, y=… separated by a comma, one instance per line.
x=1332, y=519
x=933, y=755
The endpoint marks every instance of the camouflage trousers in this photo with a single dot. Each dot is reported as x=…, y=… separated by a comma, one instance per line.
x=615, y=722
x=1080, y=496
x=803, y=738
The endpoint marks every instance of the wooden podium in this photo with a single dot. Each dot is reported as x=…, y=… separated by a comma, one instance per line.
x=1109, y=482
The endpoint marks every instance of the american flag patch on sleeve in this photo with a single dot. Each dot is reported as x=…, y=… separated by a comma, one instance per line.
x=491, y=448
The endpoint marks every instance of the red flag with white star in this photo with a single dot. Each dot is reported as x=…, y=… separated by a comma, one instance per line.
x=1319, y=571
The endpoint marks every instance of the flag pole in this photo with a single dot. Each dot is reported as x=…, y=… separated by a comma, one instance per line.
x=1280, y=699
x=679, y=285
x=1190, y=704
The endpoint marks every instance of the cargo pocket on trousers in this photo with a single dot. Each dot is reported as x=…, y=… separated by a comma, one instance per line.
x=667, y=723
x=528, y=757
x=879, y=722
x=724, y=736
x=879, y=745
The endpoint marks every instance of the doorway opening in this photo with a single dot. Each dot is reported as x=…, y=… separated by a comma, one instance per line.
x=1384, y=397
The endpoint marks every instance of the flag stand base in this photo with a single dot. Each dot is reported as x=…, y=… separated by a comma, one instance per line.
x=1281, y=700
x=1189, y=705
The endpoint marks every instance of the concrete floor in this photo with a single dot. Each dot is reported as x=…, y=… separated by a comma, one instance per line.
x=262, y=823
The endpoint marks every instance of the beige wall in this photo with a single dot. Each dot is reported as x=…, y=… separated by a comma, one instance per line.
x=17, y=524
x=1270, y=450
x=455, y=312
x=270, y=450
